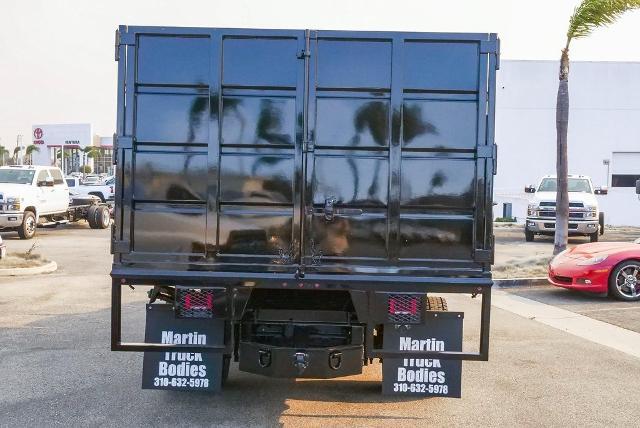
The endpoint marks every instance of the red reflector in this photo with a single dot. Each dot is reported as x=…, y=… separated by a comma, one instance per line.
x=198, y=301
x=405, y=305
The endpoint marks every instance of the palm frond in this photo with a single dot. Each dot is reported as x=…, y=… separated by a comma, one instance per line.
x=591, y=14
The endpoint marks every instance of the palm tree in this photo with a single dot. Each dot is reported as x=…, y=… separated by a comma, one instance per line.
x=29, y=152
x=16, y=155
x=586, y=17
x=3, y=153
x=88, y=152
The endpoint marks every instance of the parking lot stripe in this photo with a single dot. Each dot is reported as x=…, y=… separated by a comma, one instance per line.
x=582, y=326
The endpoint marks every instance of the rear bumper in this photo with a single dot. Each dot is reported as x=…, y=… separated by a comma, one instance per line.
x=10, y=220
x=549, y=226
x=369, y=298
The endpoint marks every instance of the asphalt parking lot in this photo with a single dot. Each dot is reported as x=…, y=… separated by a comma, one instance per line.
x=57, y=369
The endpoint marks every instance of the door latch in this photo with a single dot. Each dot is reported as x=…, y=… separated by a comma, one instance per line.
x=329, y=208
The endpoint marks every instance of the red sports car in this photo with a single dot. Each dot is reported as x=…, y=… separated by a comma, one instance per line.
x=599, y=267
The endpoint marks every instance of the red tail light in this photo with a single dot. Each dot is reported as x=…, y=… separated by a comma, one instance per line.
x=196, y=302
x=405, y=308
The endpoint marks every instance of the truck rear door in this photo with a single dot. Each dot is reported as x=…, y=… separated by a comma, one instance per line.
x=398, y=157
x=284, y=150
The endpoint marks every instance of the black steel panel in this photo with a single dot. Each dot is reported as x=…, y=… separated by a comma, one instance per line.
x=172, y=118
x=441, y=66
x=258, y=120
x=351, y=122
x=260, y=62
x=256, y=232
x=170, y=176
x=439, y=124
x=349, y=236
x=173, y=60
x=351, y=180
x=257, y=179
x=436, y=237
x=438, y=182
x=354, y=63
x=169, y=228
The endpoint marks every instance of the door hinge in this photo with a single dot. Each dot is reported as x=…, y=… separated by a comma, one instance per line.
x=483, y=256
x=492, y=47
x=121, y=247
x=489, y=152
x=123, y=37
x=117, y=55
x=123, y=142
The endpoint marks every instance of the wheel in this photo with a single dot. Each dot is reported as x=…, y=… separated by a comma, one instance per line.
x=594, y=237
x=102, y=218
x=27, y=229
x=91, y=216
x=528, y=235
x=435, y=303
x=601, y=221
x=624, y=282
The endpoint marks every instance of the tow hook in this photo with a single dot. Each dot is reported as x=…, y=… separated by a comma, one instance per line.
x=335, y=360
x=264, y=358
x=301, y=361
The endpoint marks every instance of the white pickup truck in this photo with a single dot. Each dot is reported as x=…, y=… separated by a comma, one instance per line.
x=585, y=217
x=32, y=196
x=103, y=191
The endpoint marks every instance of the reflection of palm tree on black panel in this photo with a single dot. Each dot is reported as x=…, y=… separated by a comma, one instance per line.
x=373, y=117
x=269, y=122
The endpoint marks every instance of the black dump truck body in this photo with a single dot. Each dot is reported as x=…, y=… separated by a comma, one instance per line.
x=300, y=181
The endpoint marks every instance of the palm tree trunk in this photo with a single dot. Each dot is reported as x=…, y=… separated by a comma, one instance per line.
x=562, y=126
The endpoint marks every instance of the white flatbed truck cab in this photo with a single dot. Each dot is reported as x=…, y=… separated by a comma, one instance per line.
x=32, y=196
x=585, y=217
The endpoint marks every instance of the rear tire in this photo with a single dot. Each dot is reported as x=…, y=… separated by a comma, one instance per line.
x=618, y=285
x=601, y=222
x=594, y=237
x=91, y=216
x=102, y=218
x=528, y=235
x=27, y=229
x=435, y=303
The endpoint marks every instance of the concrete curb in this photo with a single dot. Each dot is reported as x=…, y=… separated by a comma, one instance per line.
x=520, y=282
x=48, y=268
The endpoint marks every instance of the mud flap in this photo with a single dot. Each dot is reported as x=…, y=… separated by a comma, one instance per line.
x=442, y=331
x=183, y=371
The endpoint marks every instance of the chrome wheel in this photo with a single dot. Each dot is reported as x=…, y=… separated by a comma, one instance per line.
x=30, y=225
x=106, y=218
x=628, y=281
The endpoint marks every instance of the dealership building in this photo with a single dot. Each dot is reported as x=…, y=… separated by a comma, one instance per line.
x=604, y=132
x=65, y=145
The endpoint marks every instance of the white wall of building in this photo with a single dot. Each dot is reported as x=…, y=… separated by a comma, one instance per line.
x=604, y=118
x=50, y=136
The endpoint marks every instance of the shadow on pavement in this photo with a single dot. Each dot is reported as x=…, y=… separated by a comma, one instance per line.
x=60, y=370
